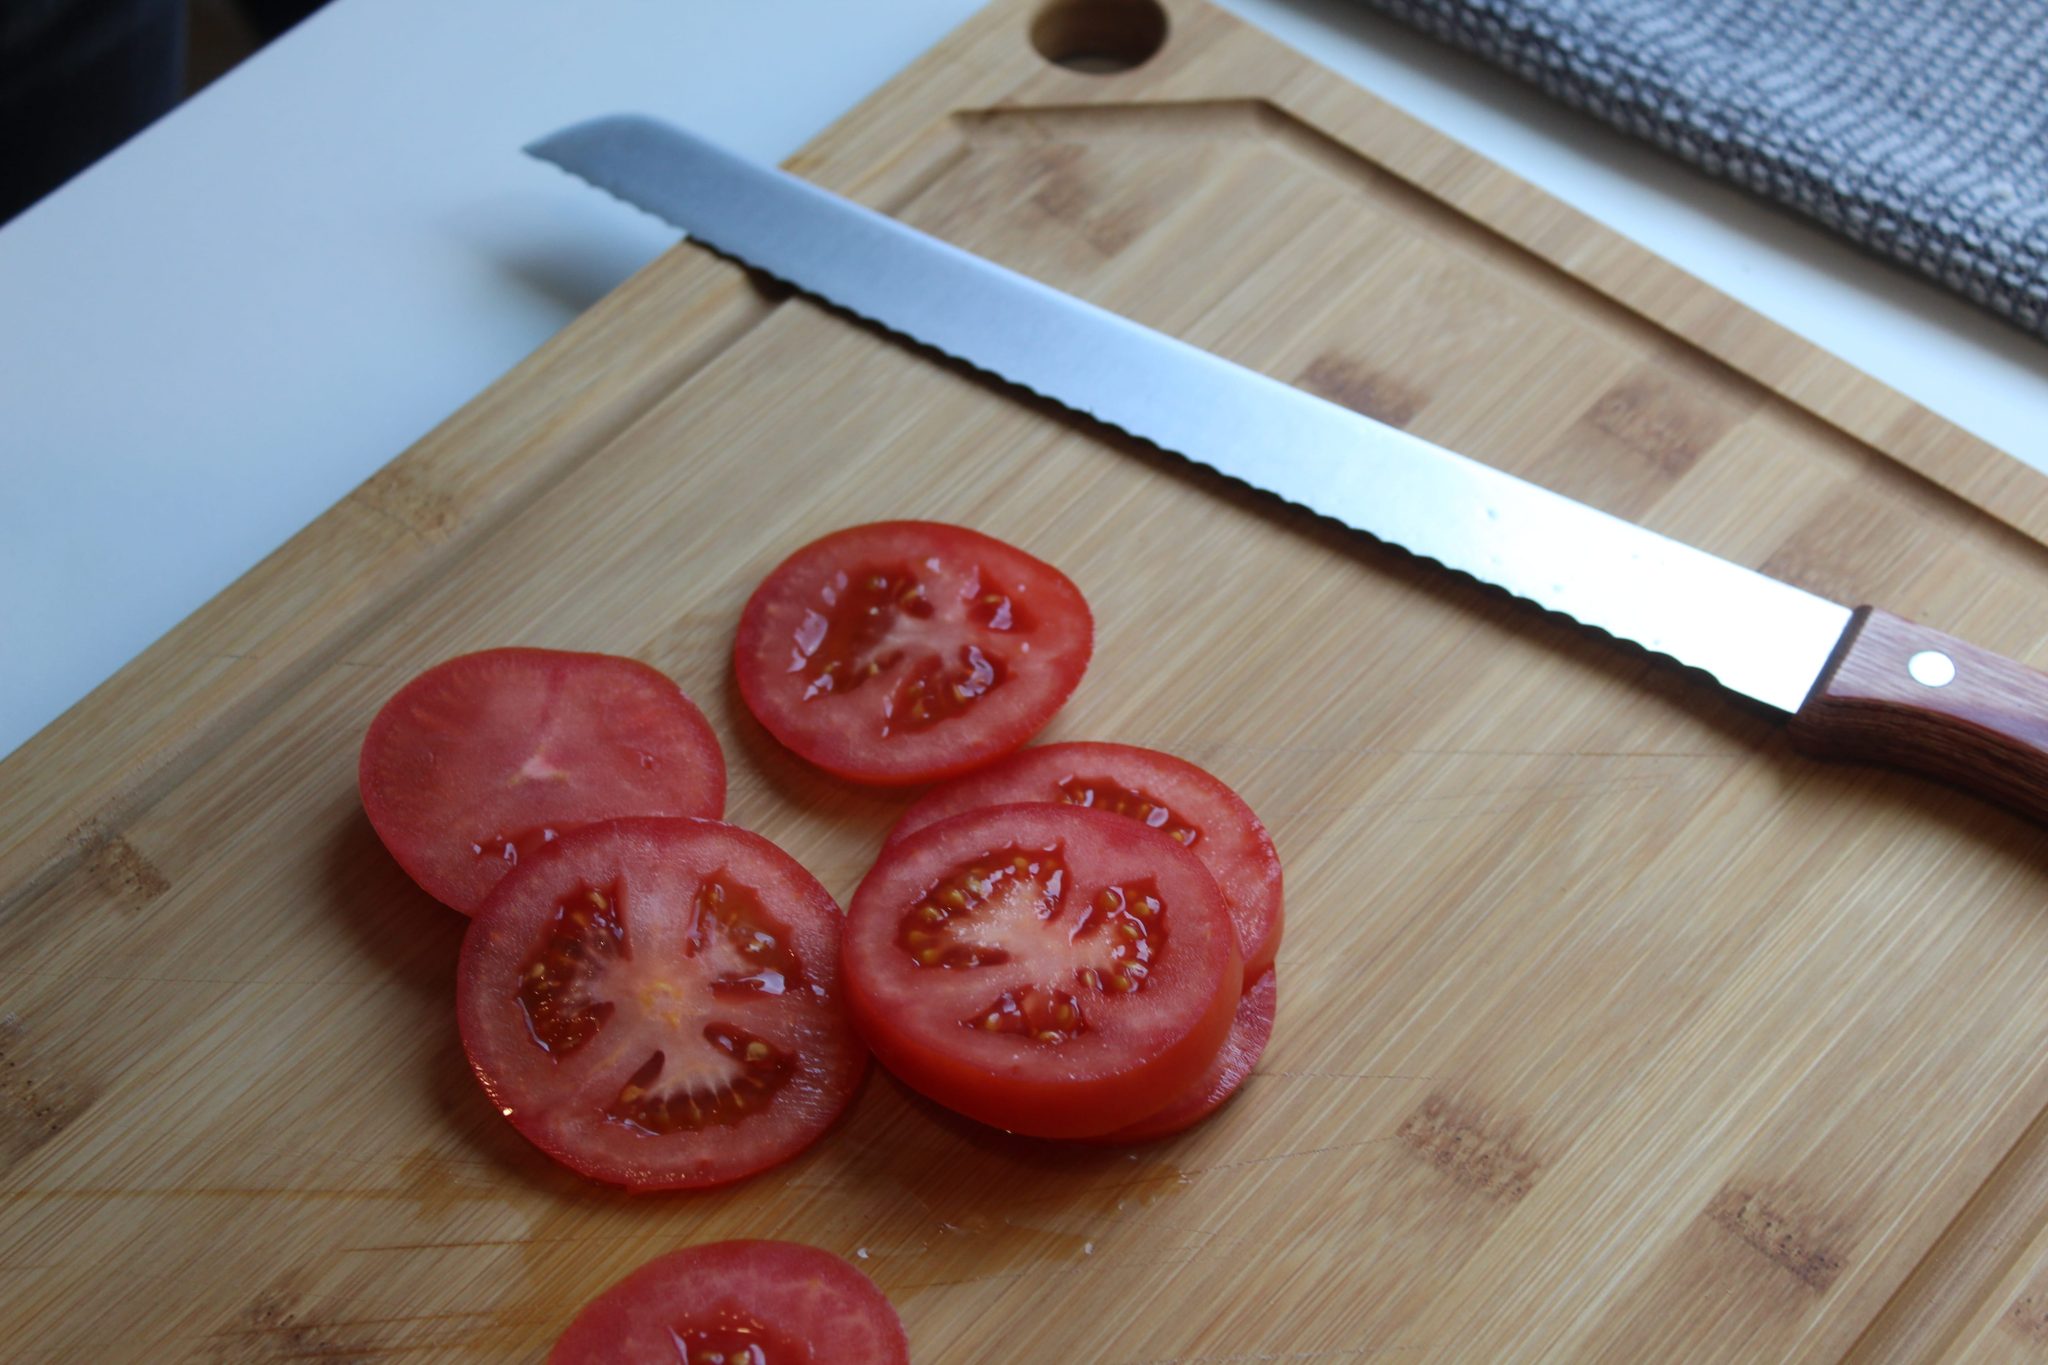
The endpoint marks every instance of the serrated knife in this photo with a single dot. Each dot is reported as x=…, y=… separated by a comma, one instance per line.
x=1860, y=683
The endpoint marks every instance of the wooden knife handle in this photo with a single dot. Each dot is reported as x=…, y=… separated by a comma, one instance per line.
x=1905, y=696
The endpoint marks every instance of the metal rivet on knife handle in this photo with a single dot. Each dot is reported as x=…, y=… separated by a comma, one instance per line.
x=1983, y=726
x=1932, y=668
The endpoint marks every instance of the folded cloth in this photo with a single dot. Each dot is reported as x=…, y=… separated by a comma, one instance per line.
x=1918, y=128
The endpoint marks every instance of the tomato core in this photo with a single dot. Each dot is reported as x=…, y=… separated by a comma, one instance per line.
x=988, y=902
x=864, y=628
x=1157, y=790
x=569, y=986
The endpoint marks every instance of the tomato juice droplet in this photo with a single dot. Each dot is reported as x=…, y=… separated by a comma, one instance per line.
x=510, y=848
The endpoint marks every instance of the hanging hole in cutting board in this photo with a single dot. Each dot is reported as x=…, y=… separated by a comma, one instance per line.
x=1099, y=37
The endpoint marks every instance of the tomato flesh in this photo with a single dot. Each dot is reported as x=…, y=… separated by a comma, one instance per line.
x=907, y=651
x=1167, y=793
x=1051, y=970
x=482, y=760
x=655, y=1003
x=738, y=1303
x=1250, y=1030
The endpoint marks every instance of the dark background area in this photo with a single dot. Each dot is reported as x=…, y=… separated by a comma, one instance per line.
x=80, y=77
x=218, y=37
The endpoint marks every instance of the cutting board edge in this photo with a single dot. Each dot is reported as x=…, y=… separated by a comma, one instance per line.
x=671, y=271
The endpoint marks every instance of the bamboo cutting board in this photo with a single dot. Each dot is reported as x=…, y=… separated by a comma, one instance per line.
x=1609, y=1029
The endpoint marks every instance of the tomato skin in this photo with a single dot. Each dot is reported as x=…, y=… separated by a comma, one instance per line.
x=1231, y=842
x=860, y=725
x=1139, y=1051
x=1250, y=1031
x=445, y=768
x=680, y=983
x=818, y=1309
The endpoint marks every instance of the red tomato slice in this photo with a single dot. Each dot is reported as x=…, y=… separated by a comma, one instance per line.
x=1249, y=1033
x=739, y=1303
x=479, y=761
x=907, y=651
x=656, y=1003
x=1047, y=969
x=1165, y=792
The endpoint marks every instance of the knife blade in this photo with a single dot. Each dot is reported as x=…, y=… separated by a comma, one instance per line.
x=1857, y=684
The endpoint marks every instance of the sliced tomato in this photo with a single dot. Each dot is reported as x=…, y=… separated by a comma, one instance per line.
x=1051, y=970
x=481, y=760
x=1249, y=1033
x=738, y=1303
x=1167, y=793
x=907, y=651
x=656, y=1003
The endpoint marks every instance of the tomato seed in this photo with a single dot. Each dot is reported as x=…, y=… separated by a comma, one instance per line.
x=555, y=983
x=731, y=922
x=643, y=1104
x=1119, y=800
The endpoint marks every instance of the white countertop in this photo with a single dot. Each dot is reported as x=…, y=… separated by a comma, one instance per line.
x=213, y=334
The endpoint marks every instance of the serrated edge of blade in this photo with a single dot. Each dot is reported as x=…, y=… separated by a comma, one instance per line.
x=1837, y=617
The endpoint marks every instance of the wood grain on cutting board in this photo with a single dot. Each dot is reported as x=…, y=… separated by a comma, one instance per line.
x=1609, y=1028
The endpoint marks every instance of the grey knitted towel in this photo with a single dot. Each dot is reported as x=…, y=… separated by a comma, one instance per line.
x=1918, y=128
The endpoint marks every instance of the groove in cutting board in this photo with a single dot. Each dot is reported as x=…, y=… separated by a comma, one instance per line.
x=1946, y=1295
